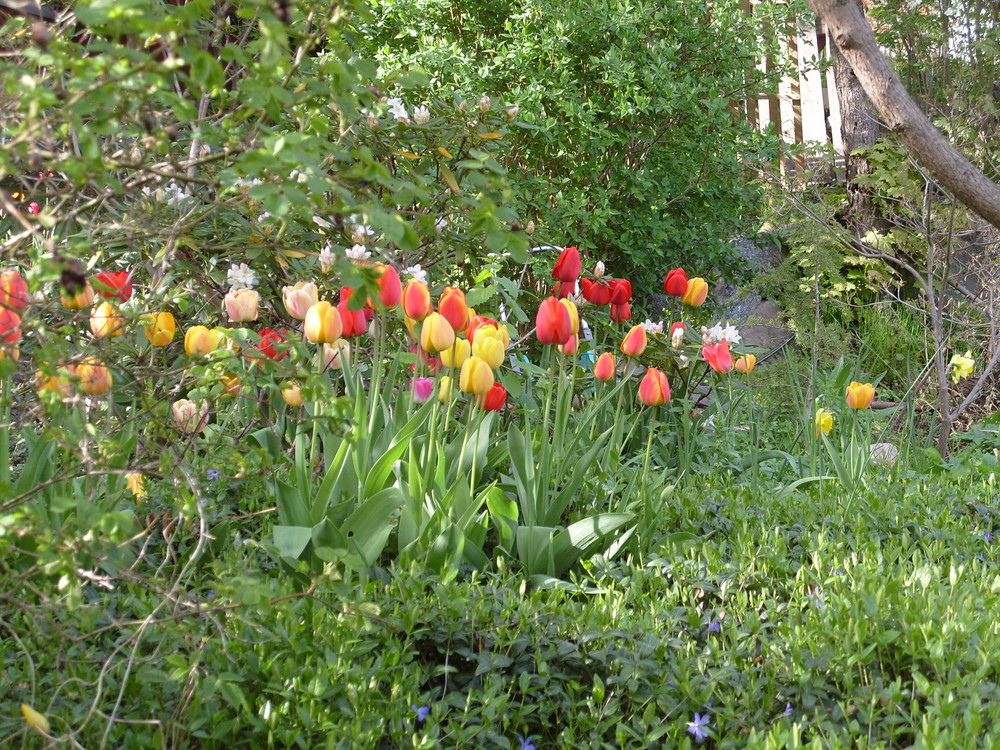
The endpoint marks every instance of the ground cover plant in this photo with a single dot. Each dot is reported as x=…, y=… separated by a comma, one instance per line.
x=318, y=429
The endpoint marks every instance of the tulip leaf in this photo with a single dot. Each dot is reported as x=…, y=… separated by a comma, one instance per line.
x=367, y=529
x=382, y=469
x=583, y=537
x=292, y=541
x=578, y=471
x=503, y=511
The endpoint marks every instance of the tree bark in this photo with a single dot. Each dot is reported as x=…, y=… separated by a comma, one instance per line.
x=856, y=40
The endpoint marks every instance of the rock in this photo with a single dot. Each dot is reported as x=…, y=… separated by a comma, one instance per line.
x=883, y=454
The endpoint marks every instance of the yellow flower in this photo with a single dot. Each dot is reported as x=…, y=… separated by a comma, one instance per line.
x=35, y=720
x=824, y=422
x=133, y=481
x=961, y=366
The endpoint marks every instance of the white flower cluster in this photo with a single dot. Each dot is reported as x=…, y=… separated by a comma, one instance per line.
x=359, y=232
x=717, y=333
x=652, y=327
x=358, y=253
x=397, y=109
x=241, y=277
x=326, y=258
x=417, y=273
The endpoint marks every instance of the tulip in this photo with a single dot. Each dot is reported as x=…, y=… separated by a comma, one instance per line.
x=83, y=298
x=453, y=307
x=495, y=398
x=621, y=291
x=94, y=379
x=860, y=395
x=432, y=363
x=488, y=327
x=455, y=356
x=292, y=395
x=106, y=321
x=654, y=390
x=446, y=387
x=269, y=337
x=552, y=322
x=390, y=291
x=13, y=291
x=562, y=290
x=595, y=292
x=570, y=347
x=604, y=367
x=241, y=305
x=477, y=322
x=476, y=377
x=35, y=720
x=114, y=284
x=421, y=389
x=574, y=315
x=56, y=382
x=676, y=283
x=490, y=349
x=353, y=321
x=417, y=300
x=696, y=292
x=718, y=356
x=336, y=354
x=10, y=326
x=568, y=265
x=436, y=334
x=322, y=323
x=231, y=385
x=746, y=363
x=199, y=341
x=634, y=343
x=677, y=335
x=824, y=422
x=621, y=313
x=133, y=481
x=160, y=328
x=299, y=298
x=190, y=416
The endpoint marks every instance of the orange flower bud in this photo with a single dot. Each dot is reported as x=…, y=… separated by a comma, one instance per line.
x=746, y=363
x=292, y=395
x=200, y=340
x=417, y=300
x=860, y=395
x=604, y=367
x=654, y=390
x=106, y=321
x=635, y=341
x=453, y=307
x=697, y=291
x=94, y=378
x=552, y=322
x=13, y=291
x=80, y=300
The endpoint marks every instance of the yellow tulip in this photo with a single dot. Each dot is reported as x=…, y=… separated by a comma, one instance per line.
x=824, y=422
x=436, y=334
x=133, y=480
x=201, y=340
x=35, y=720
x=446, y=387
x=456, y=355
x=160, y=328
x=106, y=321
x=490, y=349
x=574, y=315
x=323, y=324
x=476, y=377
x=860, y=395
x=79, y=300
x=697, y=291
x=292, y=395
x=746, y=364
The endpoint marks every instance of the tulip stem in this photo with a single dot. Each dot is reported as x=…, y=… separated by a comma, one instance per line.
x=4, y=431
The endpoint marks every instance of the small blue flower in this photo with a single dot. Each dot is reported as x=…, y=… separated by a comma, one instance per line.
x=526, y=743
x=422, y=713
x=697, y=727
x=714, y=626
x=988, y=536
x=212, y=474
x=788, y=710
x=816, y=596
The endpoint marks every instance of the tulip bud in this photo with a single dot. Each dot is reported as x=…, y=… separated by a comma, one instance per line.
x=106, y=321
x=436, y=334
x=568, y=266
x=746, y=363
x=654, y=389
x=299, y=298
x=390, y=291
x=599, y=270
x=824, y=422
x=677, y=335
x=13, y=291
x=200, y=341
x=718, y=356
x=160, y=328
x=190, y=416
x=241, y=305
x=10, y=326
x=634, y=343
x=604, y=367
x=453, y=307
x=335, y=354
x=495, y=398
x=446, y=388
x=35, y=720
x=54, y=382
x=421, y=389
x=476, y=377
x=292, y=395
x=322, y=323
x=512, y=111
x=417, y=300
x=114, y=284
x=676, y=283
x=574, y=315
x=696, y=292
x=490, y=349
x=455, y=356
x=94, y=379
x=552, y=322
x=80, y=300
x=484, y=104
x=860, y=395
x=570, y=347
x=231, y=385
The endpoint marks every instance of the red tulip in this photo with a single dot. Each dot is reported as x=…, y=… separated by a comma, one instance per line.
x=390, y=290
x=718, y=356
x=114, y=284
x=568, y=265
x=452, y=305
x=13, y=291
x=269, y=337
x=676, y=283
x=563, y=289
x=552, y=322
x=494, y=399
x=621, y=313
x=353, y=321
x=10, y=326
x=654, y=389
x=477, y=322
x=595, y=292
x=621, y=291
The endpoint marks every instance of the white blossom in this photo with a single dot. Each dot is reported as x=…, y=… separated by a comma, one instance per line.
x=599, y=270
x=321, y=222
x=241, y=277
x=731, y=334
x=512, y=111
x=326, y=258
x=710, y=336
x=421, y=115
x=358, y=253
x=298, y=176
x=416, y=273
x=441, y=224
x=397, y=109
x=652, y=327
x=174, y=195
x=677, y=337
x=484, y=103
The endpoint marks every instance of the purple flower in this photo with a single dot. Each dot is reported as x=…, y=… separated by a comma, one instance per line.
x=212, y=474
x=714, y=626
x=788, y=710
x=697, y=727
x=816, y=595
x=526, y=743
x=422, y=713
x=988, y=536
x=421, y=389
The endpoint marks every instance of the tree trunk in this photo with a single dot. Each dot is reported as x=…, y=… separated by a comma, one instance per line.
x=856, y=40
x=859, y=127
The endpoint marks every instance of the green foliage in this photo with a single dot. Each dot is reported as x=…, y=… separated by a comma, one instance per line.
x=624, y=140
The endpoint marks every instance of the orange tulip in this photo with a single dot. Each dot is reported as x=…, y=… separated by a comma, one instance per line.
x=635, y=341
x=604, y=367
x=654, y=390
x=417, y=300
x=436, y=334
x=746, y=363
x=453, y=307
x=574, y=315
x=860, y=395
x=322, y=323
x=390, y=290
x=106, y=321
x=94, y=378
x=552, y=322
x=292, y=395
x=13, y=291
x=697, y=291
x=80, y=300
